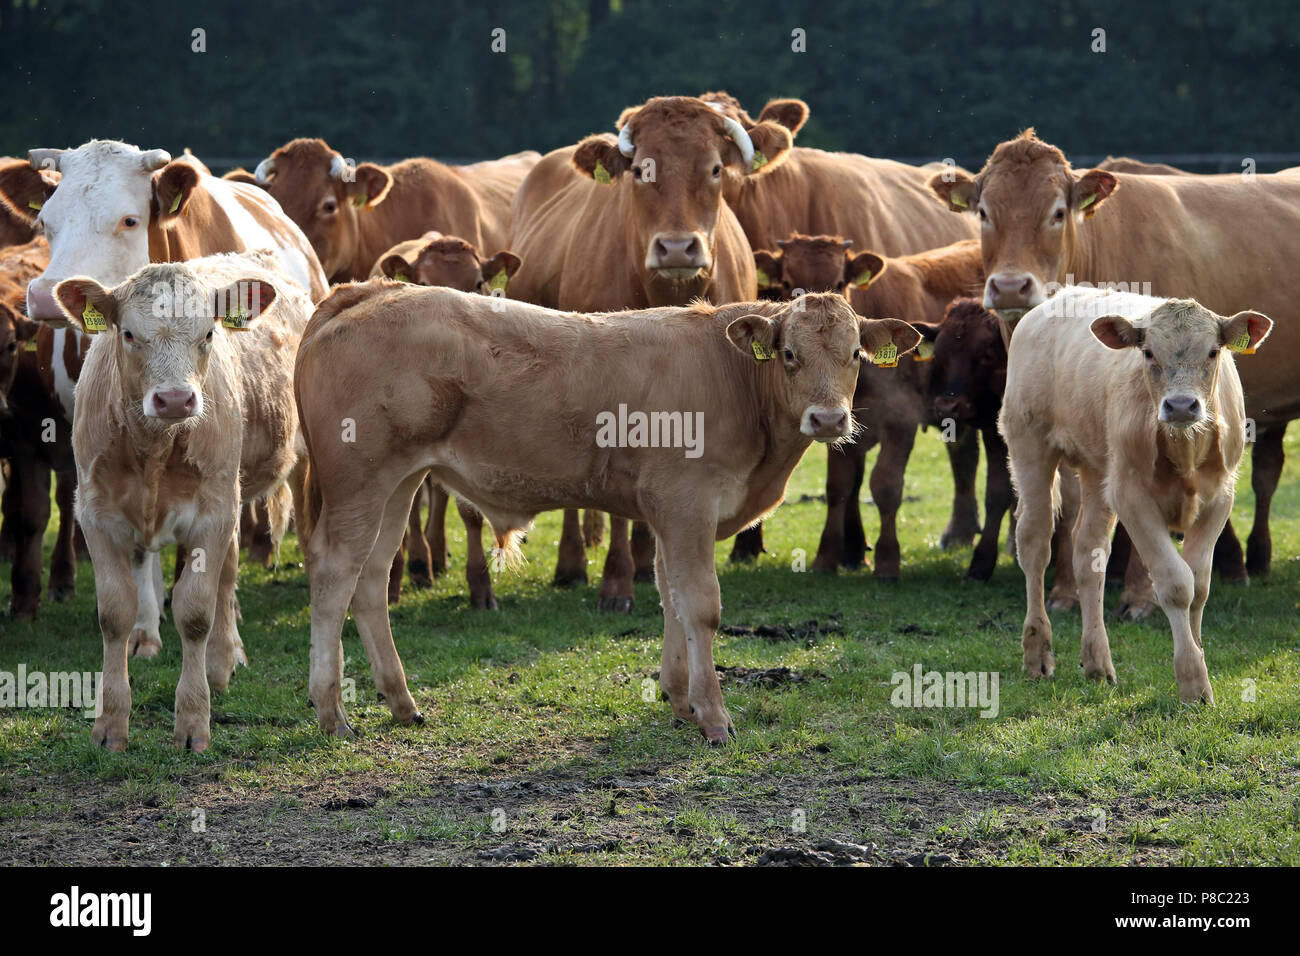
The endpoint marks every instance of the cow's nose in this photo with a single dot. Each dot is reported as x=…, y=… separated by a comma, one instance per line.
x=174, y=403
x=1012, y=290
x=953, y=406
x=41, y=305
x=677, y=251
x=1179, y=409
x=827, y=423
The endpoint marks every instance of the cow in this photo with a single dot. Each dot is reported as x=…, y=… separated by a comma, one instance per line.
x=890, y=402
x=1125, y=164
x=353, y=212
x=967, y=378
x=1042, y=224
x=1141, y=395
x=184, y=409
x=764, y=379
x=649, y=206
x=438, y=260
x=15, y=230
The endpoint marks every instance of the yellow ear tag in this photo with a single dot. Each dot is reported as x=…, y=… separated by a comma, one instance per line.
x=1241, y=344
x=236, y=320
x=401, y=277
x=764, y=280
x=92, y=320
x=924, y=351
x=30, y=345
x=35, y=205
x=759, y=161
x=1088, y=202
x=601, y=174
x=499, y=281
x=761, y=352
x=863, y=280
x=958, y=201
x=360, y=201
x=176, y=204
x=886, y=356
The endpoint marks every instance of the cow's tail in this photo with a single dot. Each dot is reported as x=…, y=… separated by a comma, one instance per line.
x=279, y=508
x=508, y=555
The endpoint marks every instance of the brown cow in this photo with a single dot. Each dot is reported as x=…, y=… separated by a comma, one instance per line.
x=1125, y=164
x=1044, y=224
x=649, y=207
x=353, y=213
x=764, y=379
x=15, y=230
x=890, y=402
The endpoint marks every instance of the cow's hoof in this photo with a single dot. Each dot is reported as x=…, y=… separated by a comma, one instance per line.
x=113, y=739
x=825, y=566
x=644, y=576
x=979, y=574
x=488, y=603
x=342, y=730
x=417, y=719
x=950, y=541
x=141, y=644
x=192, y=734
x=1135, y=609
x=1100, y=673
x=569, y=579
x=62, y=594
x=1057, y=603
x=1039, y=666
x=615, y=604
x=885, y=577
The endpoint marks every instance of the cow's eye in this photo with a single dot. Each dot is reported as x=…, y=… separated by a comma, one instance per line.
x=128, y=336
x=1058, y=216
x=11, y=347
x=1148, y=354
x=1214, y=353
x=857, y=354
x=717, y=170
x=330, y=207
x=789, y=355
x=636, y=173
x=208, y=337
x=984, y=217
x=130, y=222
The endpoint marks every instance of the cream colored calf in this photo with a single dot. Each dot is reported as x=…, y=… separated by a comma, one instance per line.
x=1141, y=396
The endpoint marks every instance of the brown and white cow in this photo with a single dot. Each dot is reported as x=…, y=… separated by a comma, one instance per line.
x=1141, y=396
x=648, y=206
x=352, y=212
x=438, y=260
x=184, y=409
x=891, y=403
x=766, y=379
x=1042, y=223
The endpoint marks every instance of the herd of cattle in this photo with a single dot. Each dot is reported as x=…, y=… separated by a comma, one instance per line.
x=201, y=360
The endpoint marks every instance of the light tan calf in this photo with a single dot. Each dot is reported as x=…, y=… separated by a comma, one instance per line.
x=505, y=408
x=1155, y=429
x=177, y=419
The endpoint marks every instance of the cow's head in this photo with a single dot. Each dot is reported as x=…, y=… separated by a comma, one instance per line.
x=15, y=331
x=1030, y=204
x=1182, y=345
x=813, y=264
x=672, y=156
x=969, y=370
x=452, y=262
x=98, y=212
x=163, y=321
x=819, y=342
x=324, y=194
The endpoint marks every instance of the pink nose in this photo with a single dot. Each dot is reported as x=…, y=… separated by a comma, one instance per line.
x=40, y=302
x=673, y=251
x=829, y=422
x=1012, y=290
x=174, y=403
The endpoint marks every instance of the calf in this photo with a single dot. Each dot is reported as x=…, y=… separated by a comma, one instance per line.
x=765, y=379
x=177, y=419
x=1141, y=395
x=891, y=402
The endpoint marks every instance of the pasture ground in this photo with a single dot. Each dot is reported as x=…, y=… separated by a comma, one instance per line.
x=539, y=746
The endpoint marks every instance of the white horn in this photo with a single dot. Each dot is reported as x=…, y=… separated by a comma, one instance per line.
x=737, y=133
x=155, y=159
x=338, y=167
x=625, y=141
x=264, y=170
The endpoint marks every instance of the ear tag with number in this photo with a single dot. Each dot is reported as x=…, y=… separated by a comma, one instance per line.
x=30, y=345
x=958, y=201
x=886, y=356
x=360, y=201
x=863, y=280
x=35, y=205
x=1241, y=344
x=499, y=281
x=92, y=320
x=236, y=319
x=759, y=161
x=401, y=277
x=924, y=351
x=601, y=174
x=176, y=204
x=761, y=352
x=764, y=280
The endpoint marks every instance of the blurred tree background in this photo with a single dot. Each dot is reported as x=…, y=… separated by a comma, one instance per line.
x=919, y=80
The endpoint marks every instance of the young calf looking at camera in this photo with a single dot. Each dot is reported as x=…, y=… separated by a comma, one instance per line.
x=1142, y=396
x=184, y=407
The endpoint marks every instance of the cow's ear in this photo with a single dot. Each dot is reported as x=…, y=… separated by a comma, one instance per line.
x=1116, y=332
x=791, y=114
x=1090, y=189
x=957, y=189
x=754, y=336
x=172, y=187
x=1244, y=331
x=929, y=330
x=498, y=270
x=87, y=304
x=875, y=334
x=241, y=302
x=772, y=143
x=369, y=186
x=863, y=269
x=767, y=268
x=23, y=190
x=598, y=158
x=395, y=267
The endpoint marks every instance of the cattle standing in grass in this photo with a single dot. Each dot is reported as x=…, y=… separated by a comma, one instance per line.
x=179, y=417
x=1043, y=223
x=1142, y=396
x=890, y=402
x=504, y=408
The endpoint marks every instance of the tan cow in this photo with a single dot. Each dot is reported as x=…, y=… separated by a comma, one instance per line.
x=178, y=418
x=512, y=410
x=353, y=212
x=1141, y=395
x=1044, y=223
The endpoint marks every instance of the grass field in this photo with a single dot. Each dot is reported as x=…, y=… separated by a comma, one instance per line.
x=540, y=743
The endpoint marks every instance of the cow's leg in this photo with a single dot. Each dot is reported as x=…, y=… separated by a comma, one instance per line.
x=1267, y=459
x=593, y=528
x=1064, y=593
x=1091, y=549
x=63, y=563
x=964, y=460
x=115, y=597
x=696, y=599
x=1138, y=599
x=194, y=611
x=643, y=550
x=616, y=591
x=225, y=648
x=998, y=497
x=571, y=565
x=146, y=569
x=477, y=574
x=29, y=513
x=746, y=546
x=370, y=606
x=1228, y=556
x=674, y=669
x=1175, y=581
x=853, y=547
x=1198, y=552
x=1035, y=472
x=887, y=491
x=435, y=531
x=839, y=489
x=419, y=562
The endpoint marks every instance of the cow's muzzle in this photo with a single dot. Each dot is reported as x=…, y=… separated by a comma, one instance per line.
x=1012, y=292
x=678, y=255
x=1182, y=410
x=171, y=404
x=826, y=424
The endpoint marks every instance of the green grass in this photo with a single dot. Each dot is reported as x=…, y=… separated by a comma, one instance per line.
x=538, y=735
